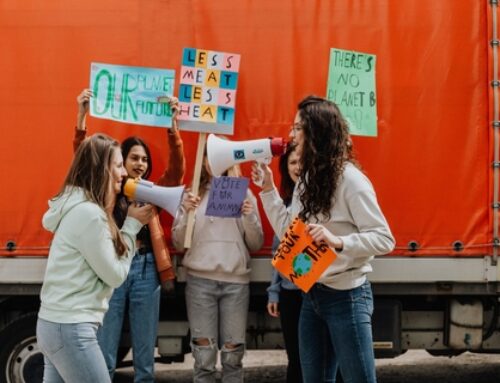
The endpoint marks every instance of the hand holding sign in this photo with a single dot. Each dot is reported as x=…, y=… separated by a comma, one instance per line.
x=190, y=201
x=320, y=234
x=301, y=259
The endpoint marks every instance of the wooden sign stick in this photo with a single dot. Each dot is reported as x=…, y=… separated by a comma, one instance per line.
x=202, y=139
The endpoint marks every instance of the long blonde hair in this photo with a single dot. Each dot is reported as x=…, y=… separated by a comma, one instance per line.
x=91, y=171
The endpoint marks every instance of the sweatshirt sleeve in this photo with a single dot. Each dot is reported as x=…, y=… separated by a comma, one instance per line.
x=179, y=228
x=78, y=138
x=276, y=211
x=252, y=226
x=96, y=245
x=374, y=236
x=273, y=291
x=174, y=174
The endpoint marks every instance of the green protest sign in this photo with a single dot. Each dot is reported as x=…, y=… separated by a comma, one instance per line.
x=131, y=94
x=351, y=85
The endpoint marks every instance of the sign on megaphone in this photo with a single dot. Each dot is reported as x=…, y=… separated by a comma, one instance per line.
x=222, y=154
x=168, y=198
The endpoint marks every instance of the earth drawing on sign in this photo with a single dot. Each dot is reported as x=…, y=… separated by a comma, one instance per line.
x=301, y=264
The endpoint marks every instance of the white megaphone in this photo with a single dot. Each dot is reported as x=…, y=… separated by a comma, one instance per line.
x=168, y=198
x=222, y=154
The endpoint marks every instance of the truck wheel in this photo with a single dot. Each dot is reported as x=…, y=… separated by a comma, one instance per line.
x=21, y=361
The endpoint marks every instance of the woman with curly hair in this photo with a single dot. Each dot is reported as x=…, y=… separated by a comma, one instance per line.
x=339, y=206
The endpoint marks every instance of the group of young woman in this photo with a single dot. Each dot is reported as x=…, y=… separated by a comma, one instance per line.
x=109, y=255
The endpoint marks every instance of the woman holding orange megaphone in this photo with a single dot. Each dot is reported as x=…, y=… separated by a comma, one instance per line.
x=151, y=267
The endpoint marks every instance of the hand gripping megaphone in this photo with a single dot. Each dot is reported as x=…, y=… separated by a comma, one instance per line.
x=168, y=198
x=222, y=154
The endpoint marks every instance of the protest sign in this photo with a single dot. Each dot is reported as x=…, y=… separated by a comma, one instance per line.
x=299, y=259
x=351, y=85
x=207, y=91
x=226, y=196
x=130, y=94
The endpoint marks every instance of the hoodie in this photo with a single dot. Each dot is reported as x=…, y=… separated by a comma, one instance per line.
x=220, y=245
x=83, y=267
x=355, y=217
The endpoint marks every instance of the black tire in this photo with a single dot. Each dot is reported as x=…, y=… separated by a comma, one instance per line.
x=21, y=361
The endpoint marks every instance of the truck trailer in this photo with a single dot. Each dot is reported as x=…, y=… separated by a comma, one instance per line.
x=434, y=161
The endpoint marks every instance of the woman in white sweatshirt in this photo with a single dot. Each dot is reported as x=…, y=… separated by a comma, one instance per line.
x=89, y=256
x=338, y=203
x=217, y=290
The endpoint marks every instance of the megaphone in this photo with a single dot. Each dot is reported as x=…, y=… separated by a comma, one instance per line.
x=222, y=154
x=168, y=198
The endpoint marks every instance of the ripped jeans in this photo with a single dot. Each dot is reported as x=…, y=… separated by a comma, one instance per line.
x=217, y=311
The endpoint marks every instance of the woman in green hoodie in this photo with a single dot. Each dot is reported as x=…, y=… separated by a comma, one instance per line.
x=89, y=256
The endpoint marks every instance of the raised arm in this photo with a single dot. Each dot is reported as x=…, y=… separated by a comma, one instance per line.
x=82, y=101
x=176, y=163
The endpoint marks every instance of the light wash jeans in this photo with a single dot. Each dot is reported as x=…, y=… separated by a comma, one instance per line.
x=141, y=294
x=343, y=319
x=217, y=311
x=71, y=352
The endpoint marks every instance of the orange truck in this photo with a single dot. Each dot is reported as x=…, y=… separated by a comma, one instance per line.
x=434, y=161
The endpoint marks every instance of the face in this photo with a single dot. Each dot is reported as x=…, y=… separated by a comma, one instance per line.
x=136, y=163
x=297, y=134
x=118, y=172
x=293, y=166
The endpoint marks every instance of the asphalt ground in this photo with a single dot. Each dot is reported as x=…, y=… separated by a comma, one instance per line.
x=411, y=367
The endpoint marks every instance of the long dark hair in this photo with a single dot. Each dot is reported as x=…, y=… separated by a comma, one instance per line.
x=327, y=147
x=121, y=208
x=130, y=142
x=286, y=184
x=91, y=171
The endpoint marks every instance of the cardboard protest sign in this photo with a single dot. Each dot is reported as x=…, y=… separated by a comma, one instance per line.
x=299, y=259
x=207, y=91
x=226, y=196
x=130, y=94
x=351, y=85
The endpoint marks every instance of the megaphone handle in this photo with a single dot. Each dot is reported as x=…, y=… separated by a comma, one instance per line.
x=259, y=182
x=195, y=188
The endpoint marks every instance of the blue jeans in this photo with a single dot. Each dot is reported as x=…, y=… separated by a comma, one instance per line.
x=217, y=311
x=338, y=322
x=71, y=353
x=141, y=291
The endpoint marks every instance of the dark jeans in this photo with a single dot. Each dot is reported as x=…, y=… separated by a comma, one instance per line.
x=289, y=305
x=337, y=321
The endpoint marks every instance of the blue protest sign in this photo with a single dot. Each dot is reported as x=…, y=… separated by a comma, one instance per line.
x=130, y=94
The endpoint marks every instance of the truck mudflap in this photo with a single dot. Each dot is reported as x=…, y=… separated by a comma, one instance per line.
x=386, y=323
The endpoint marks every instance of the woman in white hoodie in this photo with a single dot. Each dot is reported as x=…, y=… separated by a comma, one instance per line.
x=218, y=274
x=339, y=205
x=89, y=256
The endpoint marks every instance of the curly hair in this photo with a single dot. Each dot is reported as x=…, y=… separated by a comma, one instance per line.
x=326, y=149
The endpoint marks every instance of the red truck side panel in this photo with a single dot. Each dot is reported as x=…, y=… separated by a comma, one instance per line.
x=431, y=161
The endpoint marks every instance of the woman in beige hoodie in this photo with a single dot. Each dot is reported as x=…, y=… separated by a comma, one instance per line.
x=217, y=291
